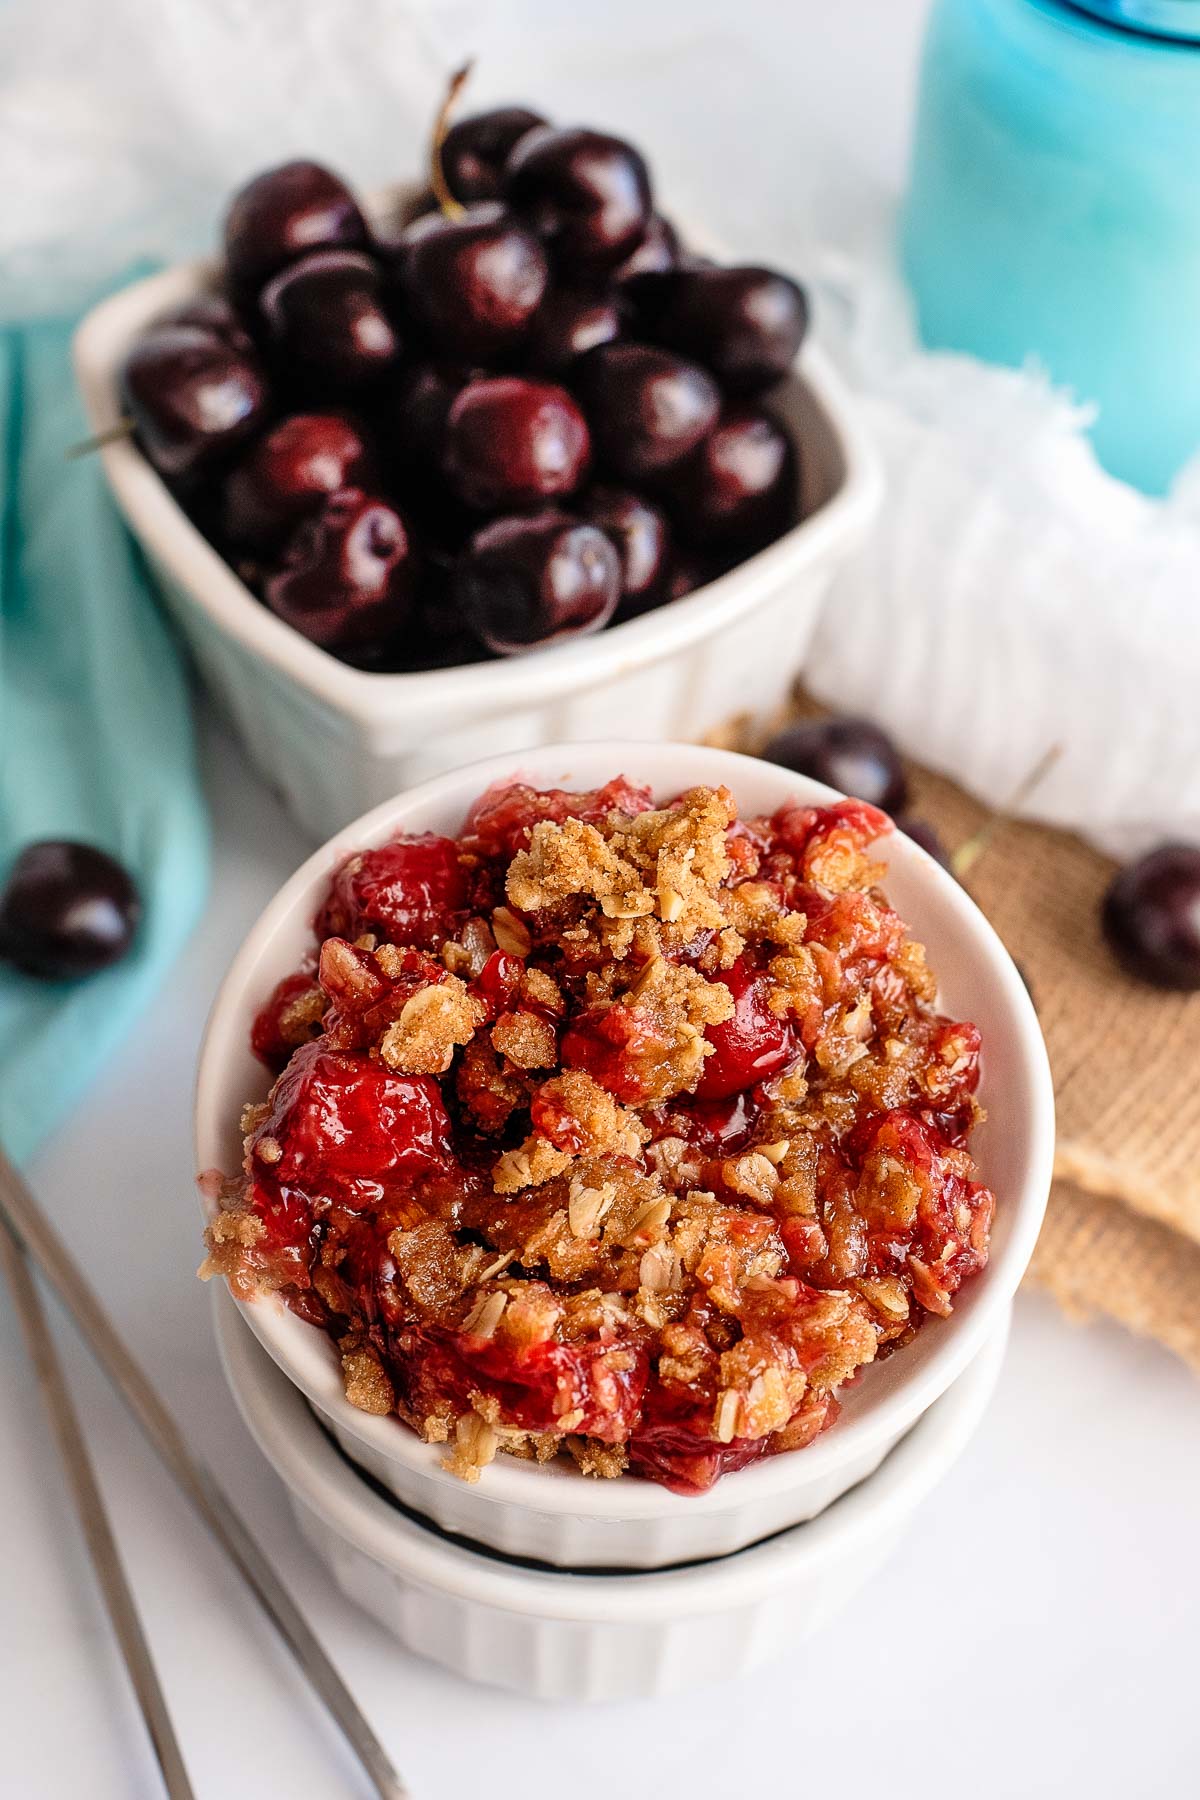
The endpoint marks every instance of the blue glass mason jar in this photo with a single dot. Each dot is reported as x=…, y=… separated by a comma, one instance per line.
x=1053, y=209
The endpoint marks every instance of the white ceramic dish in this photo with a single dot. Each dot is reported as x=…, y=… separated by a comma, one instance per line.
x=335, y=740
x=566, y=1636
x=549, y=1511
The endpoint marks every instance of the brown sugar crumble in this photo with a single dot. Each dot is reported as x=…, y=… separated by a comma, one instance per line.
x=612, y=1131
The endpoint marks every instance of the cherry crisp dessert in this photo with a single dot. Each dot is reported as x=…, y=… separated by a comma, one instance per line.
x=622, y=1132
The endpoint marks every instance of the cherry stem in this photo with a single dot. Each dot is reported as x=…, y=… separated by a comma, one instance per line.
x=970, y=851
x=123, y=428
x=452, y=207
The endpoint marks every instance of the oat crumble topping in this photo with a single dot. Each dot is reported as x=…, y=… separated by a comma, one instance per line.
x=621, y=1132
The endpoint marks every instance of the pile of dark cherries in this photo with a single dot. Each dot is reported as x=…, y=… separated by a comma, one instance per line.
x=528, y=415
x=1150, y=914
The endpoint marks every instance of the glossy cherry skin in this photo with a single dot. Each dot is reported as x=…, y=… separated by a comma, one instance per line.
x=66, y=910
x=284, y=214
x=751, y=1046
x=472, y=283
x=642, y=539
x=568, y=323
x=1151, y=917
x=737, y=489
x=528, y=581
x=746, y=324
x=658, y=248
x=849, y=754
x=409, y=891
x=511, y=442
x=288, y=474
x=348, y=574
x=586, y=193
x=213, y=313
x=325, y=320
x=475, y=150
x=648, y=409
x=193, y=399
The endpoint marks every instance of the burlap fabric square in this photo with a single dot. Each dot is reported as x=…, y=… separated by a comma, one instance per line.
x=1122, y=1232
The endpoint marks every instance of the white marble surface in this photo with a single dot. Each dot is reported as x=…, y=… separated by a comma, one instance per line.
x=1036, y=1634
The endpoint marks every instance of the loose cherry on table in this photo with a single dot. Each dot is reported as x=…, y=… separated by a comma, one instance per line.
x=67, y=910
x=284, y=214
x=532, y=580
x=642, y=537
x=745, y=325
x=648, y=409
x=586, y=193
x=287, y=474
x=193, y=399
x=737, y=488
x=325, y=319
x=1151, y=917
x=849, y=754
x=349, y=574
x=475, y=150
x=472, y=282
x=511, y=442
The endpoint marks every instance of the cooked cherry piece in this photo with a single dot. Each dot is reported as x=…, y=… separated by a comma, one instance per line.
x=849, y=754
x=475, y=150
x=472, y=283
x=569, y=322
x=642, y=538
x=746, y=324
x=511, y=442
x=648, y=409
x=926, y=835
x=325, y=318
x=193, y=399
x=1151, y=917
x=737, y=488
x=67, y=909
x=348, y=575
x=658, y=248
x=288, y=474
x=586, y=193
x=530, y=581
x=284, y=214
x=409, y=891
x=751, y=1046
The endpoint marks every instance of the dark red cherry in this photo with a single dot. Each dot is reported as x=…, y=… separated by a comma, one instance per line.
x=409, y=891
x=288, y=474
x=569, y=322
x=472, y=283
x=586, y=193
x=192, y=398
x=510, y=442
x=67, y=909
x=325, y=319
x=284, y=214
x=690, y=570
x=642, y=539
x=1151, y=917
x=738, y=487
x=348, y=574
x=532, y=580
x=658, y=248
x=475, y=150
x=213, y=313
x=751, y=1046
x=746, y=325
x=923, y=833
x=849, y=754
x=648, y=409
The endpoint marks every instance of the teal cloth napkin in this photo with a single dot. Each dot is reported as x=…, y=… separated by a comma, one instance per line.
x=95, y=731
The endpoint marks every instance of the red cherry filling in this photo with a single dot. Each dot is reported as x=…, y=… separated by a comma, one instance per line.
x=410, y=891
x=289, y=1017
x=751, y=1046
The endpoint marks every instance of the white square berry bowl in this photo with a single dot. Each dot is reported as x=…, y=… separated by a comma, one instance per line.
x=549, y=1511
x=334, y=740
x=570, y=1635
